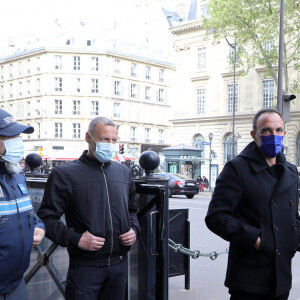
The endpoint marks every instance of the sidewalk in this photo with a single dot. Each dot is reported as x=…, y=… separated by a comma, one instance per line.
x=205, y=193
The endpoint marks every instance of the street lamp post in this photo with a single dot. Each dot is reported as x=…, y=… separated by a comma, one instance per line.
x=233, y=103
x=233, y=46
x=280, y=58
x=210, y=136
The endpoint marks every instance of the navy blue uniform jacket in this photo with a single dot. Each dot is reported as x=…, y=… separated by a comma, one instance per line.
x=249, y=202
x=17, y=223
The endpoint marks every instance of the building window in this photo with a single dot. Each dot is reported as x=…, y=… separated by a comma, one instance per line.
x=20, y=68
x=28, y=108
x=11, y=70
x=76, y=63
x=78, y=85
x=269, y=46
x=76, y=131
x=201, y=101
x=58, y=62
x=148, y=72
x=117, y=66
x=28, y=87
x=161, y=136
x=119, y=134
x=268, y=93
x=38, y=64
x=28, y=66
x=58, y=130
x=133, y=70
x=2, y=91
x=95, y=86
x=117, y=88
x=201, y=58
x=147, y=135
x=76, y=107
x=38, y=107
x=161, y=95
x=133, y=91
x=133, y=134
x=117, y=110
x=38, y=132
x=20, y=88
x=230, y=93
x=58, y=84
x=38, y=85
x=58, y=107
x=204, y=13
x=11, y=90
x=95, y=108
x=161, y=75
x=147, y=93
x=228, y=147
x=95, y=63
x=198, y=143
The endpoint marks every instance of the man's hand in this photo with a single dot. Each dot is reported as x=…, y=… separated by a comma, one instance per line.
x=90, y=242
x=38, y=235
x=128, y=238
x=257, y=244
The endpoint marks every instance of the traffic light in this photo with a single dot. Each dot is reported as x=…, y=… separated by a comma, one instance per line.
x=121, y=149
x=286, y=99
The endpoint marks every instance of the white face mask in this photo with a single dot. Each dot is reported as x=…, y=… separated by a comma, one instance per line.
x=104, y=151
x=14, y=150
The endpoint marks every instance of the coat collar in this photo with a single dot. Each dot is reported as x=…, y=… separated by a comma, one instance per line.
x=93, y=161
x=258, y=164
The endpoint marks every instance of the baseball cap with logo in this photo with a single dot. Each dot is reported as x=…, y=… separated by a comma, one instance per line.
x=9, y=127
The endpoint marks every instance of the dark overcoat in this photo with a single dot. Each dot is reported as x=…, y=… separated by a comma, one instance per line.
x=250, y=202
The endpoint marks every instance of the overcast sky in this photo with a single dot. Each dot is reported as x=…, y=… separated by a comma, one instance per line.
x=29, y=19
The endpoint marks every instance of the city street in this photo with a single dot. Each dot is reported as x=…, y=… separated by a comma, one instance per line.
x=207, y=276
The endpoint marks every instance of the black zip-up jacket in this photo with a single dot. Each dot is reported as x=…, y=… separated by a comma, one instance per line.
x=93, y=196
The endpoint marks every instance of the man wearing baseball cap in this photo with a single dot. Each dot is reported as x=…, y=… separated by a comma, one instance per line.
x=20, y=228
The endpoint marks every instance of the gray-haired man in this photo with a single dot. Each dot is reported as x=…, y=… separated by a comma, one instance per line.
x=97, y=197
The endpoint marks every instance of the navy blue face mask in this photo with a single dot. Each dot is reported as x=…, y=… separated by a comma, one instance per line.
x=271, y=145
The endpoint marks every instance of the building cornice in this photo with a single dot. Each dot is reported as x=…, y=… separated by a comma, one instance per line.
x=212, y=119
x=114, y=53
x=188, y=26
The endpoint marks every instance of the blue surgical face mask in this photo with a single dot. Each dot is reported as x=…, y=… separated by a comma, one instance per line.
x=104, y=151
x=271, y=145
x=14, y=150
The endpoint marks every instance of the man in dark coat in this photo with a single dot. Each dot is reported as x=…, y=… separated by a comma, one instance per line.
x=97, y=196
x=255, y=208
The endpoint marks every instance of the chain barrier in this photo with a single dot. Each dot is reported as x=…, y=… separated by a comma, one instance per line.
x=194, y=253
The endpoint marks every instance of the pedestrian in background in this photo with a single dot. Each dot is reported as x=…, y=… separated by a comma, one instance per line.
x=20, y=228
x=200, y=183
x=205, y=181
x=97, y=197
x=255, y=208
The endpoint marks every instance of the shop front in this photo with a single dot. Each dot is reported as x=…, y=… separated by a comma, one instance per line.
x=183, y=159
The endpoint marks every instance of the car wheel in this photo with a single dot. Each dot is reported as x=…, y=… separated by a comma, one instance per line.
x=190, y=196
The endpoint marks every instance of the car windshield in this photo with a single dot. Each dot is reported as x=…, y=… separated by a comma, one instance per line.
x=185, y=177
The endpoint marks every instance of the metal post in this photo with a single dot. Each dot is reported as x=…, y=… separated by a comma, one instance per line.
x=233, y=104
x=280, y=59
x=210, y=136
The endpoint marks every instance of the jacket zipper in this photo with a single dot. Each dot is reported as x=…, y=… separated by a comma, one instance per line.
x=19, y=223
x=110, y=216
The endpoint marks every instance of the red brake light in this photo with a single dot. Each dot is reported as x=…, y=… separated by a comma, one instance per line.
x=179, y=183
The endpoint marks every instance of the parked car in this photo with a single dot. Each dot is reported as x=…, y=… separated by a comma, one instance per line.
x=180, y=184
